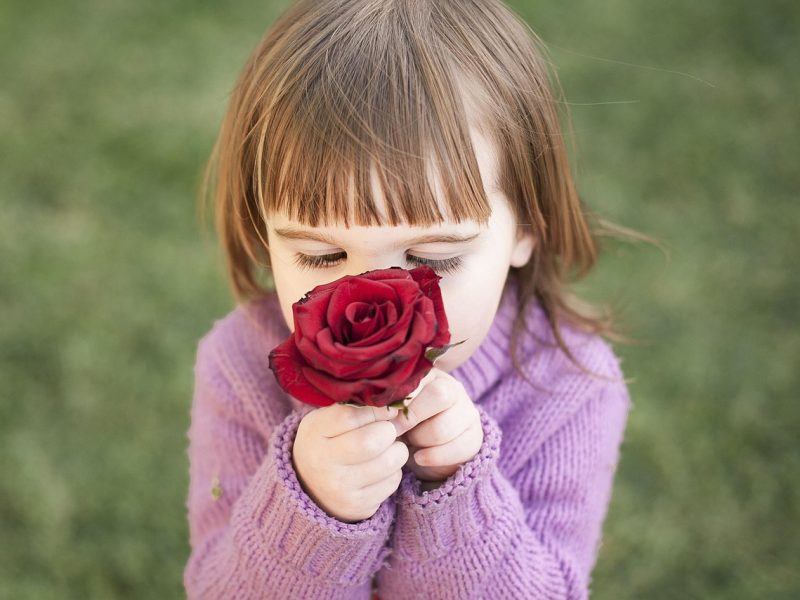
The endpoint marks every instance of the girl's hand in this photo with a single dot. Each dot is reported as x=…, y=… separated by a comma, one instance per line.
x=348, y=459
x=442, y=429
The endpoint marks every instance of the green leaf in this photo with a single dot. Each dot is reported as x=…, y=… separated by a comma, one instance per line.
x=433, y=353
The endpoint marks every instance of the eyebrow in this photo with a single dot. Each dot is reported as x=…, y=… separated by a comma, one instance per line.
x=302, y=234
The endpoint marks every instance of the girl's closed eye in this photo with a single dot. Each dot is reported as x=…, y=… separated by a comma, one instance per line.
x=447, y=265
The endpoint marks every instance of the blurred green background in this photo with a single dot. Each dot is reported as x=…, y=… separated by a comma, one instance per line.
x=686, y=127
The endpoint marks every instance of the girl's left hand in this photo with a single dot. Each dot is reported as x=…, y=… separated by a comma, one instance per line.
x=442, y=429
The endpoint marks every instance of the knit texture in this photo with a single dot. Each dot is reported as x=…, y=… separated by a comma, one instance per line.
x=521, y=519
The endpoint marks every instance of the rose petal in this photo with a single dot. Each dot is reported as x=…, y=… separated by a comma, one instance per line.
x=369, y=391
x=428, y=282
x=336, y=389
x=309, y=313
x=404, y=381
x=359, y=312
x=398, y=273
x=354, y=291
x=287, y=365
x=424, y=326
x=400, y=325
x=335, y=365
x=365, y=319
x=420, y=333
x=357, y=353
x=389, y=313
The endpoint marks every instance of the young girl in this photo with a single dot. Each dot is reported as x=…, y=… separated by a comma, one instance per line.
x=364, y=134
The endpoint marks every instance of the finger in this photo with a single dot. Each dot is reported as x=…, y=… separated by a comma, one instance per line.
x=459, y=450
x=443, y=427
x=380, y=467
x=362, y=444
x=339, y=418
x=438, y=395
x=377, y=492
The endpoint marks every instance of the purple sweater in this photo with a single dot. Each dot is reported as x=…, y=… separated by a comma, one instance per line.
x=522, y=519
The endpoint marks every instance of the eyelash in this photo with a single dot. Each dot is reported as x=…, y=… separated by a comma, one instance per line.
x=448, y=265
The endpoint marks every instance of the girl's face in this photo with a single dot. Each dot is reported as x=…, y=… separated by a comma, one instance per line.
x=473, y=270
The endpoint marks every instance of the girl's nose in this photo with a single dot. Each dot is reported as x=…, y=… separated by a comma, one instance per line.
x=356, y=266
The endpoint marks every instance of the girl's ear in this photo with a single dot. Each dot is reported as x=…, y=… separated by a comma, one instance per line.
x=523, y=247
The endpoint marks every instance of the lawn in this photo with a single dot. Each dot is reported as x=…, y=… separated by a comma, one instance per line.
x=685, y=122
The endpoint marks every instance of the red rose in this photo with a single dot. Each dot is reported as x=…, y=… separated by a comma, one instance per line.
x=363, y=339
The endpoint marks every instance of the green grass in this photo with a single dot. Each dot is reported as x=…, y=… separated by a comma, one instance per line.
x=107, y=110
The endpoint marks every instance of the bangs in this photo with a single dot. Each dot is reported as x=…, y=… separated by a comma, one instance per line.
x=377, y=109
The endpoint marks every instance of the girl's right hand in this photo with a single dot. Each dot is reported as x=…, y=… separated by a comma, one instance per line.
x=348, y=460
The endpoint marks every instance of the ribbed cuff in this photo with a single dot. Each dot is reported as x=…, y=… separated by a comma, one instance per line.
x=289, y=527
x=431, y=524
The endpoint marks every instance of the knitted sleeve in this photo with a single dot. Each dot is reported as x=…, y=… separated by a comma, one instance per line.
x=533, y=535
x=254, y=533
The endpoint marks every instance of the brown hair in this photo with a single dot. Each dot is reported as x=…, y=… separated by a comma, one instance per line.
x=339, y=91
